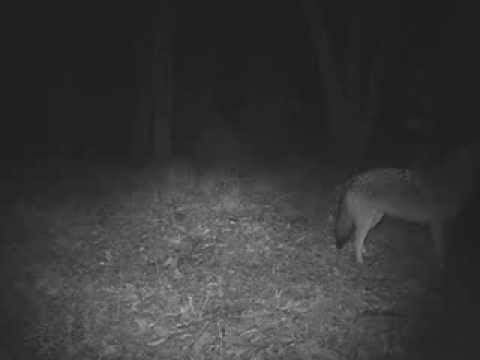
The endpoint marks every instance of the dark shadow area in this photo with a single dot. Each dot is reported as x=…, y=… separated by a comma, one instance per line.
x=449, y=331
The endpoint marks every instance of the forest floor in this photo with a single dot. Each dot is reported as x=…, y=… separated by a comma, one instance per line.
x=114, y=263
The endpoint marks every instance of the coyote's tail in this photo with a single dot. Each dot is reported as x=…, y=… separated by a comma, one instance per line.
x=344, y=224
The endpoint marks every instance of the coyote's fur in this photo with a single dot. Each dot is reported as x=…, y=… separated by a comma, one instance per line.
x=432, y=197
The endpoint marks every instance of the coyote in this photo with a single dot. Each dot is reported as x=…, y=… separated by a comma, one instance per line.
x=432, y=197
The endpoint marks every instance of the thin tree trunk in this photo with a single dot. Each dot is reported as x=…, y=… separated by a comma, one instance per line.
x=349, y=127
x=141, y=126
x=162, y=97
x=151, y=131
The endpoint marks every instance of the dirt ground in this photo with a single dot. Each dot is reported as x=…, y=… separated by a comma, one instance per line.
x=121, y=263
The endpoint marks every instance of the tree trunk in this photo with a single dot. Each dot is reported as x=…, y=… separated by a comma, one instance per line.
x=151, y=131
x=349, y=124
x=141, y=126
x=162, y=75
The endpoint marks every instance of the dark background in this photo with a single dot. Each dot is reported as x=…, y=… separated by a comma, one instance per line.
x=87, y=60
